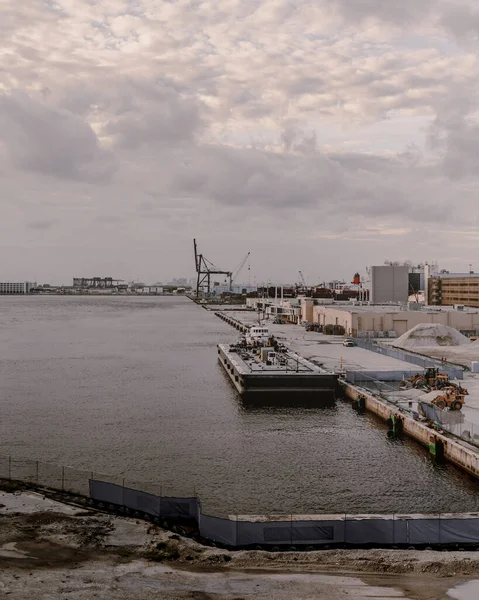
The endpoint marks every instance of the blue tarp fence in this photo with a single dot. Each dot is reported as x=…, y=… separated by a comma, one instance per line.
x=316, y=530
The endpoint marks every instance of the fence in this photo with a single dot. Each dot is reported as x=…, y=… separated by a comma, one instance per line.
x=454, y=372
x=453, y=422
x=244, y=532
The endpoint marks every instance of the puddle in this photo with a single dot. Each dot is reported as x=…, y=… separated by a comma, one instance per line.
x=268, y=586
x=11, y=551
x=466, y=591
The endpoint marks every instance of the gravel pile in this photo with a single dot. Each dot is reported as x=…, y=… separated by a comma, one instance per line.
x=431, y=335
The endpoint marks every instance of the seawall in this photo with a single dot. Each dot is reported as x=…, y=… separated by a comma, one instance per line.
x=456, y=452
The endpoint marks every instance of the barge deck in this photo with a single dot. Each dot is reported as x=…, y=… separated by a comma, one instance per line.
x=294, y=375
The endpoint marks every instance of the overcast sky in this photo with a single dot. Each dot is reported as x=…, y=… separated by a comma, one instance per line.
x=321, y=135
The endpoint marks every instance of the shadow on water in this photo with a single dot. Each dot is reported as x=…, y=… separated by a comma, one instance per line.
x=259, y=401
x=287, y=399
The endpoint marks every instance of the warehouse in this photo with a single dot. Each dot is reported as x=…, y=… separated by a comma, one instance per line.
x=369, y=320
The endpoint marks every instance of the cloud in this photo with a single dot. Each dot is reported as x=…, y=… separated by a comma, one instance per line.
x=152, y=112
x=40, y=225
x=404, y=12
x=41, y=138
x=250, y=118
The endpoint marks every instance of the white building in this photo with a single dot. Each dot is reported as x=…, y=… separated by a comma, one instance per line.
x=8, y=287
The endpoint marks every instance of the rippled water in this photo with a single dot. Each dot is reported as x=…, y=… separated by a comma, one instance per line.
x=132, y=386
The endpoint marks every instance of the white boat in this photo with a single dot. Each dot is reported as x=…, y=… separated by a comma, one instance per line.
x=258, y=333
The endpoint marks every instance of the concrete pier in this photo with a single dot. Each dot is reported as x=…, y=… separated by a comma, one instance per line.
x=460, y=453
x=357, y=364
x=232, y=321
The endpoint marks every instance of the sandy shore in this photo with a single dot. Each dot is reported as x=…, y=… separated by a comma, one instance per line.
x=51, y=550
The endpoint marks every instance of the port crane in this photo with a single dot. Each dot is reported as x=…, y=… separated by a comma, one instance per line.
x=205, y=269
x=302, y=279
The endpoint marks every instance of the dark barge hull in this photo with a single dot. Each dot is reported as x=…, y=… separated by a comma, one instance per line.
x=285, y=384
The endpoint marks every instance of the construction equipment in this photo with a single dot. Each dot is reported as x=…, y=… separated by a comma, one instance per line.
x=451, y=398
x=431, y=379
x=303, y=280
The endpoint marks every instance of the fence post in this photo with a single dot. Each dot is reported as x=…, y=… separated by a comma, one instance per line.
x=63, y=479
x=291, y=530
x=344, y=529
x=236, y=538
x=9, y=468
x=394, y=529
x=37, y=472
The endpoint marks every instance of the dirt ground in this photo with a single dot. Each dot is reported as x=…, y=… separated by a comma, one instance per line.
x=50, y=551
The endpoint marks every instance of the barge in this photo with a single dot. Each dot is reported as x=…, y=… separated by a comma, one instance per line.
x=257, y=371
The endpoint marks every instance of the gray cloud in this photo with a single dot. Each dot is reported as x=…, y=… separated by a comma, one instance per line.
x=153, y=113
x=41, y=225
x=401, y=12
x=41, y=138
x=243, y=122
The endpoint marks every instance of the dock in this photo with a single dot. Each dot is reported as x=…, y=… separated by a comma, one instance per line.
x=360, y=375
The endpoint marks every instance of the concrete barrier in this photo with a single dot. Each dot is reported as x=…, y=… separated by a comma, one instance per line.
x=457, y=452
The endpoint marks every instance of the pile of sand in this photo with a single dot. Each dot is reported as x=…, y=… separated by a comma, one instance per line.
x=431, y=335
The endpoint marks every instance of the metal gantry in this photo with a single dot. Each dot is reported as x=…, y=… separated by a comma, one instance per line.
x=205, y=269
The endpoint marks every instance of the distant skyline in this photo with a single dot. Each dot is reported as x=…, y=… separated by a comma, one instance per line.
x=320, y=136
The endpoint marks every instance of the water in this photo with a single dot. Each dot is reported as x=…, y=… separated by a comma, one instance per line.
x=132, y=386
x=466, y=591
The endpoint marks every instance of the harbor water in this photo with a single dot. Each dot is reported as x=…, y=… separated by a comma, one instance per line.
x=131, y=386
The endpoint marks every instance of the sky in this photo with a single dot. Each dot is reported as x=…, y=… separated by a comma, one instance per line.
x=319, y=135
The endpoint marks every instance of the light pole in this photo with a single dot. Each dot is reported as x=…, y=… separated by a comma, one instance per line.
x=469, y=284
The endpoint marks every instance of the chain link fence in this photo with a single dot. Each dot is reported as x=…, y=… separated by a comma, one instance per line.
x=454, y=371
x=453, y=422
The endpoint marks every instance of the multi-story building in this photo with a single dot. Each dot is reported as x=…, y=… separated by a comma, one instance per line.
x=449, y=289
x=24, y=287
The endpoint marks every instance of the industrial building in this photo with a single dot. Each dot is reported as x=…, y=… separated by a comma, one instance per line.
x=392, y=320
x=96, y=283
x=389, y=283
x=10, y=288
x=449, y=289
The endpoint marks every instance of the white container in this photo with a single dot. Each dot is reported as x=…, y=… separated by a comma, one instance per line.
x=475, y=366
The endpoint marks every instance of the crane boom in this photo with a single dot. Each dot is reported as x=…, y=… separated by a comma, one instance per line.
x=302, y=278
x=239, y=268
